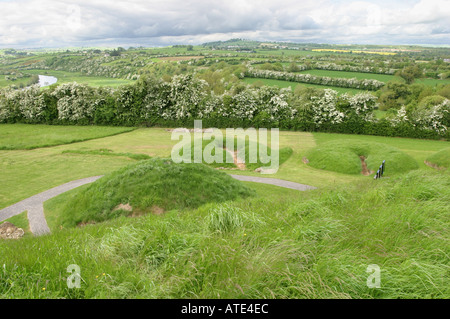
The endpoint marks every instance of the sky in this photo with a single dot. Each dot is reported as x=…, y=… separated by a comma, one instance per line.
x=91, y=23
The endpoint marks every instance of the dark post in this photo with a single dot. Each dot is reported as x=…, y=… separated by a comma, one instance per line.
x=380, y=171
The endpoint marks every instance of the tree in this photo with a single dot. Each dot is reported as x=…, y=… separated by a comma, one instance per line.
x=410, y=73
x=293, y=67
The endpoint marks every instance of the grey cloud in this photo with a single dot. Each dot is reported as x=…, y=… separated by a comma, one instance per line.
x=32, y=22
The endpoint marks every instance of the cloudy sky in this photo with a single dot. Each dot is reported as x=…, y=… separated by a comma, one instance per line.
x=60, y=23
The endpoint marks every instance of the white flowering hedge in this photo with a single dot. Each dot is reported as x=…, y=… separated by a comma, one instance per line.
x=152, y=101
x=354, y=68
x=27, y=103
x=75, y=101
x=435, y=118
x=364, y=84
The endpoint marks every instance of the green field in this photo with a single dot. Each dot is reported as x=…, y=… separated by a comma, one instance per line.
x=358, y=75
x=290, y=53
x=4, y=82
x=293, y=85
x=433, y=82
x=23, y=136
x=96, y=81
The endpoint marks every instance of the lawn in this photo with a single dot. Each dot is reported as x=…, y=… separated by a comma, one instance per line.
x=23, y=136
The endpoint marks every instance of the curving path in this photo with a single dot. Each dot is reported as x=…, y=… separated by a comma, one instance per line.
x=273, y=181
x=35, y=204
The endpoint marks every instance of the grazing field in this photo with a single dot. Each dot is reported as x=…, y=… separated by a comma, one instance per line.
x=433, y=82
x=354, y=51
x=95, y=81
x=293, y=85
x=277, y=243
x=181, y=58
x=292, y=53
x=4, y=82
x=357, y=75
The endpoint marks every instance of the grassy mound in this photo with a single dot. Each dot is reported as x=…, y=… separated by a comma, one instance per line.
x=154, y=185
x=344, y=157
x=243, y=153
x=440, y=159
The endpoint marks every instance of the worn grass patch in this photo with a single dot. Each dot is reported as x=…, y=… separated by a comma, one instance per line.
x=21, y=221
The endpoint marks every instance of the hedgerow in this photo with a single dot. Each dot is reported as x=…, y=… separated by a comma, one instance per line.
x=154, y=102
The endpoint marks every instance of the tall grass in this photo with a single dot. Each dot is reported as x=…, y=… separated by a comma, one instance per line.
x=316, y=246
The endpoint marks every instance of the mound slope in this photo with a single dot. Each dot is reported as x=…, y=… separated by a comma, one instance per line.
x=439, y=159
x=154, y=185
x=239, y=157
x=354, y=157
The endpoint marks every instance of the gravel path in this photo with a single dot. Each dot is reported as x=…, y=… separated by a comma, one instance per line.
x=273, y=181
x=35, y=208
x=35, y=204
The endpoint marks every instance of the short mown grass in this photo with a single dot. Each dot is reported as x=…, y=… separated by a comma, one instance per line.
x=107, y=152
x=26, y=136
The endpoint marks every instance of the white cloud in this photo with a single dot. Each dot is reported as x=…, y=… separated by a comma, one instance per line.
x=52, y=23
